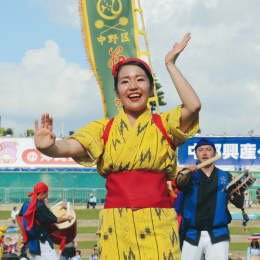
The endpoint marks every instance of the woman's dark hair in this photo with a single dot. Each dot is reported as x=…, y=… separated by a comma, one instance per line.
x=257, y=244
x=136, y=63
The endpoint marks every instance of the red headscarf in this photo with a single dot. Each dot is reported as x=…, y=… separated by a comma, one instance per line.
x=116, y=66
x=29, y=214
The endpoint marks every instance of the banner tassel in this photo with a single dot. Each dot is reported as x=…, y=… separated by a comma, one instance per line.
x=89, y=61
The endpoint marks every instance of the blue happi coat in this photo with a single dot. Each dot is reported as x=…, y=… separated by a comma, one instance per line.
x=219, y=215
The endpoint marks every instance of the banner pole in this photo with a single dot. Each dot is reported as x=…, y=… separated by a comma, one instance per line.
x=147, y=53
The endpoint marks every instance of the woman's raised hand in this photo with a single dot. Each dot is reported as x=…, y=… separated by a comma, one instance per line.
x=44, y=138
x=173, y=54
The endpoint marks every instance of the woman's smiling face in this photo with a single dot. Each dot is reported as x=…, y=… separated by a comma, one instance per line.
x=133, y=88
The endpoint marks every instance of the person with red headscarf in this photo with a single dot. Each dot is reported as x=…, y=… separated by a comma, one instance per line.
x=36, y=216
x=135, y=152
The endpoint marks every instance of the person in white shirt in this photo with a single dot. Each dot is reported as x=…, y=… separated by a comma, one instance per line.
x=13, y=214
x=253, y=251
x=92, y=201
x=94, y=256
x=77, y=256
x=247, y=200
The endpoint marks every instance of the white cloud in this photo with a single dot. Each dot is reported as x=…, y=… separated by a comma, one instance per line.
x=221, y=62
x=210, y=3
x=44, y=82
x=63, y=12
x=254, y=89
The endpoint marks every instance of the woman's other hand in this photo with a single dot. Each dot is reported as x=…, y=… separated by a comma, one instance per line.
x=44, y=138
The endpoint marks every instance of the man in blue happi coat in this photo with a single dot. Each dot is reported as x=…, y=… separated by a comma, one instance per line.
x=204, y=209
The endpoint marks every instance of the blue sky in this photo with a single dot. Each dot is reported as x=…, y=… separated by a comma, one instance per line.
x=26, y=25
x=43, y=65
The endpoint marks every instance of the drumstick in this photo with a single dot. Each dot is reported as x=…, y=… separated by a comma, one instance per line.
x=53, y=207
x=201, y=165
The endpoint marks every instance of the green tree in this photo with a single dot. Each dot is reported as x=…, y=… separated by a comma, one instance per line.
x=30, y=132
x=2, y=131
x=160, y=95
x=8, y=131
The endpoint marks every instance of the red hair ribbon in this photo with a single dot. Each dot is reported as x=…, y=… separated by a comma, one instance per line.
x=117, y=65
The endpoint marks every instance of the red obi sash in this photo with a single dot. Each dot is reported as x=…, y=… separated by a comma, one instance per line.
x=137, y=189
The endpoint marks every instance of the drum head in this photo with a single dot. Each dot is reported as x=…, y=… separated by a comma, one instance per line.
x=236, y=180
x=62, y=213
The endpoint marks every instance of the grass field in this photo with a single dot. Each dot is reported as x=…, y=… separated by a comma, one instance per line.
x=238, y=246
x=84, y=214
x=82, y=230
x=5, y=214
x=80, y=213
x=87, y=213
x=238, y=230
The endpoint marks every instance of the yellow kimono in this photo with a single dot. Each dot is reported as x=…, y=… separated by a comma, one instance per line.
x=147, y=233
x=3, y=229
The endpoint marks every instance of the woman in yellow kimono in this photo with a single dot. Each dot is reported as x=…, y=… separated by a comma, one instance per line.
x=137, y=157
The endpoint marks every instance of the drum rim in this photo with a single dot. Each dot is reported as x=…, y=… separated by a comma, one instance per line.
x=237, y=178
x=65, y=225
x=246, y=183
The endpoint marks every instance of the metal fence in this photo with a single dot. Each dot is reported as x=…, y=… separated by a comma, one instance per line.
x=73, y=195
x=252, y=195
x=16, y=195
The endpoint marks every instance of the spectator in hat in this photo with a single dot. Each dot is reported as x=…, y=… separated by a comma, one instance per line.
x=92, y=201
x=3, y=229
x=10, y=245
x=7, y=248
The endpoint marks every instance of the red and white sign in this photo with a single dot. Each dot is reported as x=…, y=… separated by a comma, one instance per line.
x=21, y=152
x=33, y=156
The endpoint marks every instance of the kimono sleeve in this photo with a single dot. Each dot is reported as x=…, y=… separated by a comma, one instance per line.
x=171, y=122
x=90, y=137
